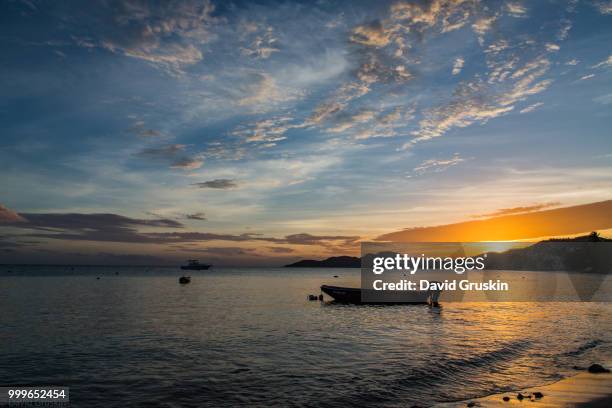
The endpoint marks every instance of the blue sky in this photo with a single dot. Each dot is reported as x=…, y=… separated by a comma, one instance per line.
x=309, y=124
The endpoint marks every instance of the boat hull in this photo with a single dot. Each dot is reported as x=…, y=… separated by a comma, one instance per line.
x=353, y=296
x=195, y=267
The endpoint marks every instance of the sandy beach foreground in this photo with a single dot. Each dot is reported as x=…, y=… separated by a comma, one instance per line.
x=582, y=390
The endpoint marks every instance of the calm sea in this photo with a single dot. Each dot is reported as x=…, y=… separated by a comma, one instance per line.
x=249, y=337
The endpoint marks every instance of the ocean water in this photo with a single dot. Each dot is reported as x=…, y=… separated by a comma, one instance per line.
x=249, y=337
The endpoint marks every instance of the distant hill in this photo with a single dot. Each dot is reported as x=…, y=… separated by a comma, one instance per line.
x=333, y=262
x=543, y=255
x=561, y=254
x=592, y=237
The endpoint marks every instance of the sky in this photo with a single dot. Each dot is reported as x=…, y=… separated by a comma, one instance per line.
x=258, y=133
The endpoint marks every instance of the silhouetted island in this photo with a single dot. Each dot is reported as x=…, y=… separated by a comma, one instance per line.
x=333, y=262
x=557, y=254
x=543, y=255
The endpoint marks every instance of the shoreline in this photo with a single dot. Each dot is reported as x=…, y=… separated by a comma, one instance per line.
x=581, y=390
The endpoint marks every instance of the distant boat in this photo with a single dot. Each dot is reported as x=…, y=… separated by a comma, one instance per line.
x=353, y=295
x=184, y=279
x=195, y=265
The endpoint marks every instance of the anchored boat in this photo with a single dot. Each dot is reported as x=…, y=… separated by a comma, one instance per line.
x=195, y=265
x=353, y=295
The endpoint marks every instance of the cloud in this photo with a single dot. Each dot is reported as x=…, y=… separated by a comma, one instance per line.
x=438, y=165
x=470, y=104
x=187, y=163
x=603, y=6
x=550, y=47
x=262, y=43
x=458, y=65
x=166, y=34
x=166, y=151
x=519, y=210
x=604, y=99
x=381, y=50
x=222, y=184
x=477, y=101
x=196, y=216
x=280, y=250
x=531, y=108
x=174, y=154
x=267, y=131
x=564, y=29
x=372, y=34
x=139, y=129
x=376, y=69
x=9, y=216
x=225, y=251
x=327, y=110
x=108, y=227
x=605, y=63
x=420, y=16
x=348, y=122
x=385, y=124
x=543, y=223
x=516, y=9
x=308, y=239
x=482, y=26
x=80, y=221
x=263, y=91
x=89, y=227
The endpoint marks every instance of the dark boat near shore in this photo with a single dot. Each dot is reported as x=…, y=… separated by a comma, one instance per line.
x=353, y=296
x=195, y=265
x=184, y=280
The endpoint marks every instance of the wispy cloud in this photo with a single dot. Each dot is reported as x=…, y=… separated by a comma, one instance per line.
x=437, y=165
x=200, y=216
x=516, y=9
x=519, y=210
x=564, y=29
x=139, y=129
x=458, y=66
x=483, y=25
x=349, y=121
x=280, y=250
x=604, y=99
x=372, y=34
x=121, y=229
x=261, y=42
x=262, y=92
x=551, y=47
x=187, y=163
x=9, y=216
x=168, y=35
x=603, y=6
x=174, y=154
x=477, y=101
x=531, y=108
x=222, y=184
x=605, y=63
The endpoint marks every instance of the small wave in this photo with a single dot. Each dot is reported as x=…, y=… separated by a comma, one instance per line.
x=586, y=346
x=437, y=374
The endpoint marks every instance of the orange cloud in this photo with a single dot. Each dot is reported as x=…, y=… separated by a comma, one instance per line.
x=9, y=216
x=556, y=222
x=518, y=210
